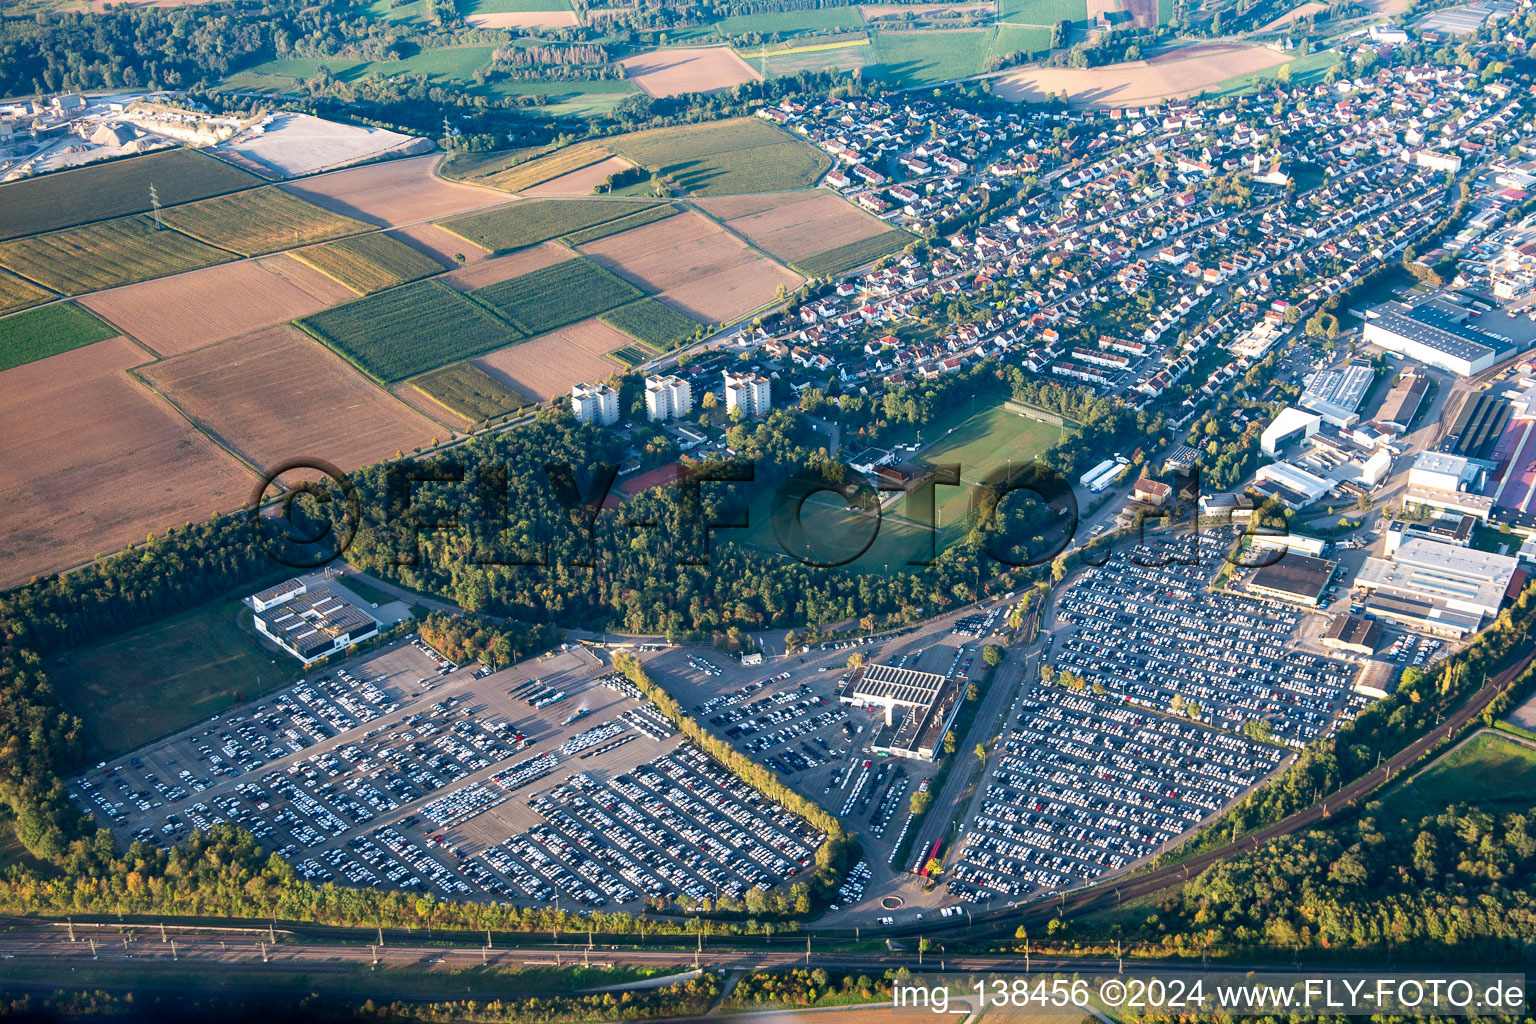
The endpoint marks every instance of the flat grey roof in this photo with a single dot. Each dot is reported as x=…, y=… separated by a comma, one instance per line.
x=1437, y=330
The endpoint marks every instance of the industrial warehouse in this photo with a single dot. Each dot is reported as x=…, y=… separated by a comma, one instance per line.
x=1434, y=336
x=310, y=623
x=919, y=707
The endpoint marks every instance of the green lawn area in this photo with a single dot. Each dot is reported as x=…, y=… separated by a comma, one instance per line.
x=441, y=66
x=566, y=99
x=1492, y=771
x=360, y=586
x=915, y=58
x=983, y=444
x=162, y=677
x=413, y=12
x=785, y=23
x=831, y=534
x=1042, y=12
x=45, y=332
x=1016, y=38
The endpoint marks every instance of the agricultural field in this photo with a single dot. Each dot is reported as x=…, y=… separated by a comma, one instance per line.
x=744, y=154
x=369, y=263
x=613, y=227
x=783, y=23
x=695, y=265
x=406, y=12
x=918, y=58
x=393, y=192
x=548, y=365
x=853, y=255
x=581, y=182
x=441, y=66
x=517, y=13
x=1042, y=12
x=537, y=220
x=274, y=394
x=557, y=295
x=1019, y=39
x=529, y=172
x=793, y=225
x=260, y=221
x=576, y=98
x=1492, y=771
x=1182, y=72
x=162, y=677
x=675, y=72
x=181, y=313
x=652, y=323
x=631, y=356
x=18, y=294
x=847, y=54
x=444, y=246
x=114, y=189
x=406, y=331
x=470, y=392
x=27, y=337
x=497, y=269
x=103, y=255
x=95, y=462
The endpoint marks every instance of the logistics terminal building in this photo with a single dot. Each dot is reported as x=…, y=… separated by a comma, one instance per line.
x=919, y=707
x=310, y=623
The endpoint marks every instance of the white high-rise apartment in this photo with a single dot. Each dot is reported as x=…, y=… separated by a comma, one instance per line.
x=749, y=392
x=667, y=397
x=595, y=402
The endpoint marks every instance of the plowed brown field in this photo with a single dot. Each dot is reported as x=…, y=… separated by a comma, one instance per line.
x=185, y=312
x=579, y=182
x=548, y=365
x=95, y=462
x=504, y=268
x=440, y=244
x=394, y=192
x=676, y=71
x=277, y=394
x=793, y=225
x=691, y=261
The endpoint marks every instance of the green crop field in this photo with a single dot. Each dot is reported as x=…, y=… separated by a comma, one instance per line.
x=18, y=294
x=784, y=23
x=41, y=333
x=369, y=263
x=441, y=66
x=631, y=356
x=557, y=295
x=95, y=256
x=537, y=220
x=1042, y=12
x=855, y=53
x=653, y=323
x=410, y=330
x=466, y=389
x=1019, y=39
x=260, y=221
x=114, y=189
x=855, y=254
x=164, y=676
x=917, y=58
x=575, y=98
x=732, y=157
x=613, y=227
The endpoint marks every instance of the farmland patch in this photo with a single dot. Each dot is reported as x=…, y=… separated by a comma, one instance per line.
x=275, y=393
x=652, y=322
x=843, y=258
x=548, y=365
x=18, y=294
x=673, y=72
x=557, y=295
x=113, y=252
x=27, y=337
x=470, y=392
x=95, y=462
x=409, y=330
x=537, y=220
x=803, y=223
x=744, y=154
x=181, y=313
x=369, y=263
x=581, y=181
x=260, y=221
x=393, y=192
x=503, y=268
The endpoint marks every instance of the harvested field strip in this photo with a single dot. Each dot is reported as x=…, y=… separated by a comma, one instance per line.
x=613, y=227
x=27, y=337
x=541, y=169
x=114, y=189
x=801, y=228
x=745, y=154
x=521, y=224
x=18, y=294
x=855, y=254
x=653, y=323
x=409, y=330
x=260, y=221
x=548, y=365
x=469, y=391
x=369, y=263
x=496, y=269
x=113, y=252
x=558, y=295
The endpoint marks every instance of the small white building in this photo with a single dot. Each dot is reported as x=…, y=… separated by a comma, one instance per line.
x=1291, y=425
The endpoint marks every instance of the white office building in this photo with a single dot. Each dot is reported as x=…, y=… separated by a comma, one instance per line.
x=595, y=403
x=667, y=397
x=749, y=392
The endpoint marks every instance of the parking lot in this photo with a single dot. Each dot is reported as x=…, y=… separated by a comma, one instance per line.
x=546, y=782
